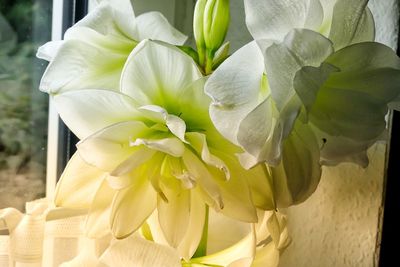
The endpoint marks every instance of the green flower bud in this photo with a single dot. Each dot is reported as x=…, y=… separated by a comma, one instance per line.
x=198, y=19
x=216, y=23
x=220, y=55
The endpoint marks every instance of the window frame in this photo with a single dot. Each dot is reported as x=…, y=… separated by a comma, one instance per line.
x=61, y=141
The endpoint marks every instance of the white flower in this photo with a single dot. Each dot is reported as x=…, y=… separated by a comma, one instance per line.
x=96, y=48
x=312, y=71
x=153, y=145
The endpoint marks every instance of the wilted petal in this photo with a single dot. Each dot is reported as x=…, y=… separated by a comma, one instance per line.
x=155, y=73
x=109, y=147
x=78, y=184
x=88, y=111
x=299, y=172
x=138, y=252
x=234, y=88
x=352, y=22
x=154, y=26
x=273, y=19
x=129, y=210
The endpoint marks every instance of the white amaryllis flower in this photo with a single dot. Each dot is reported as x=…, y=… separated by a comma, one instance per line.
x=313, y=72
x=95, y=49
x=152, y=144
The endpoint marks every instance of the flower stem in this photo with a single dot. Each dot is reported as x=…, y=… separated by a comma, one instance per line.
x=209, y=62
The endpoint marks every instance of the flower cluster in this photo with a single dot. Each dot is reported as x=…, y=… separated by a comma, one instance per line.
x=171, y=137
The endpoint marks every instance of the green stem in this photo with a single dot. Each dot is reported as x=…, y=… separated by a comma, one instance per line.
x=209, y=62
x=202, y=248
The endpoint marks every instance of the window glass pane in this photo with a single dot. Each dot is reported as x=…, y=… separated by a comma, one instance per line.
x=24, y=25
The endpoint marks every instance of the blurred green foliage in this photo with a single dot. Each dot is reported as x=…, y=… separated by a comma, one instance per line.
x=24, y=26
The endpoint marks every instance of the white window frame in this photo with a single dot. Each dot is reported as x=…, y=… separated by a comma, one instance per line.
x=53, y=121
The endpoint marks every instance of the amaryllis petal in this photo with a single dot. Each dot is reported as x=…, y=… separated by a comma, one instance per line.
x=112, y=19
x=259, y=133
x=261, y=187
x=137, y=158
x=237, y=206
x=48, y=50
x=204, y=179
x=298, y=175
x=273, y=19
x=268, y=256
x=76, y=188
x=142, y=253
x=173, y=123
x=75, y=66
x=154, y=26
x=199, y=142
x=282, y=61
x=98, y=218
x=193, y=106
x=88, y=111
x=352, y=22
x=194, y=230
x=109, y=147
x=243, y=251
x=352, y=102
x=172, y=145
x=174, y=217
x=342, y=149
x=235, y=88
x=155, y=73
x=129, y=211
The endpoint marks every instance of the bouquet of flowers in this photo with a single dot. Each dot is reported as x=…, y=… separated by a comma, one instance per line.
x=177, y=141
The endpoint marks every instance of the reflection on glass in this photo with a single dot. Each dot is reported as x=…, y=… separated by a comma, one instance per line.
x=24, y=25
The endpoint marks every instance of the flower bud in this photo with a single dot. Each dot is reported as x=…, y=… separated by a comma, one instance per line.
x=198, y=31
x=198, y=19
x=215, y=23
